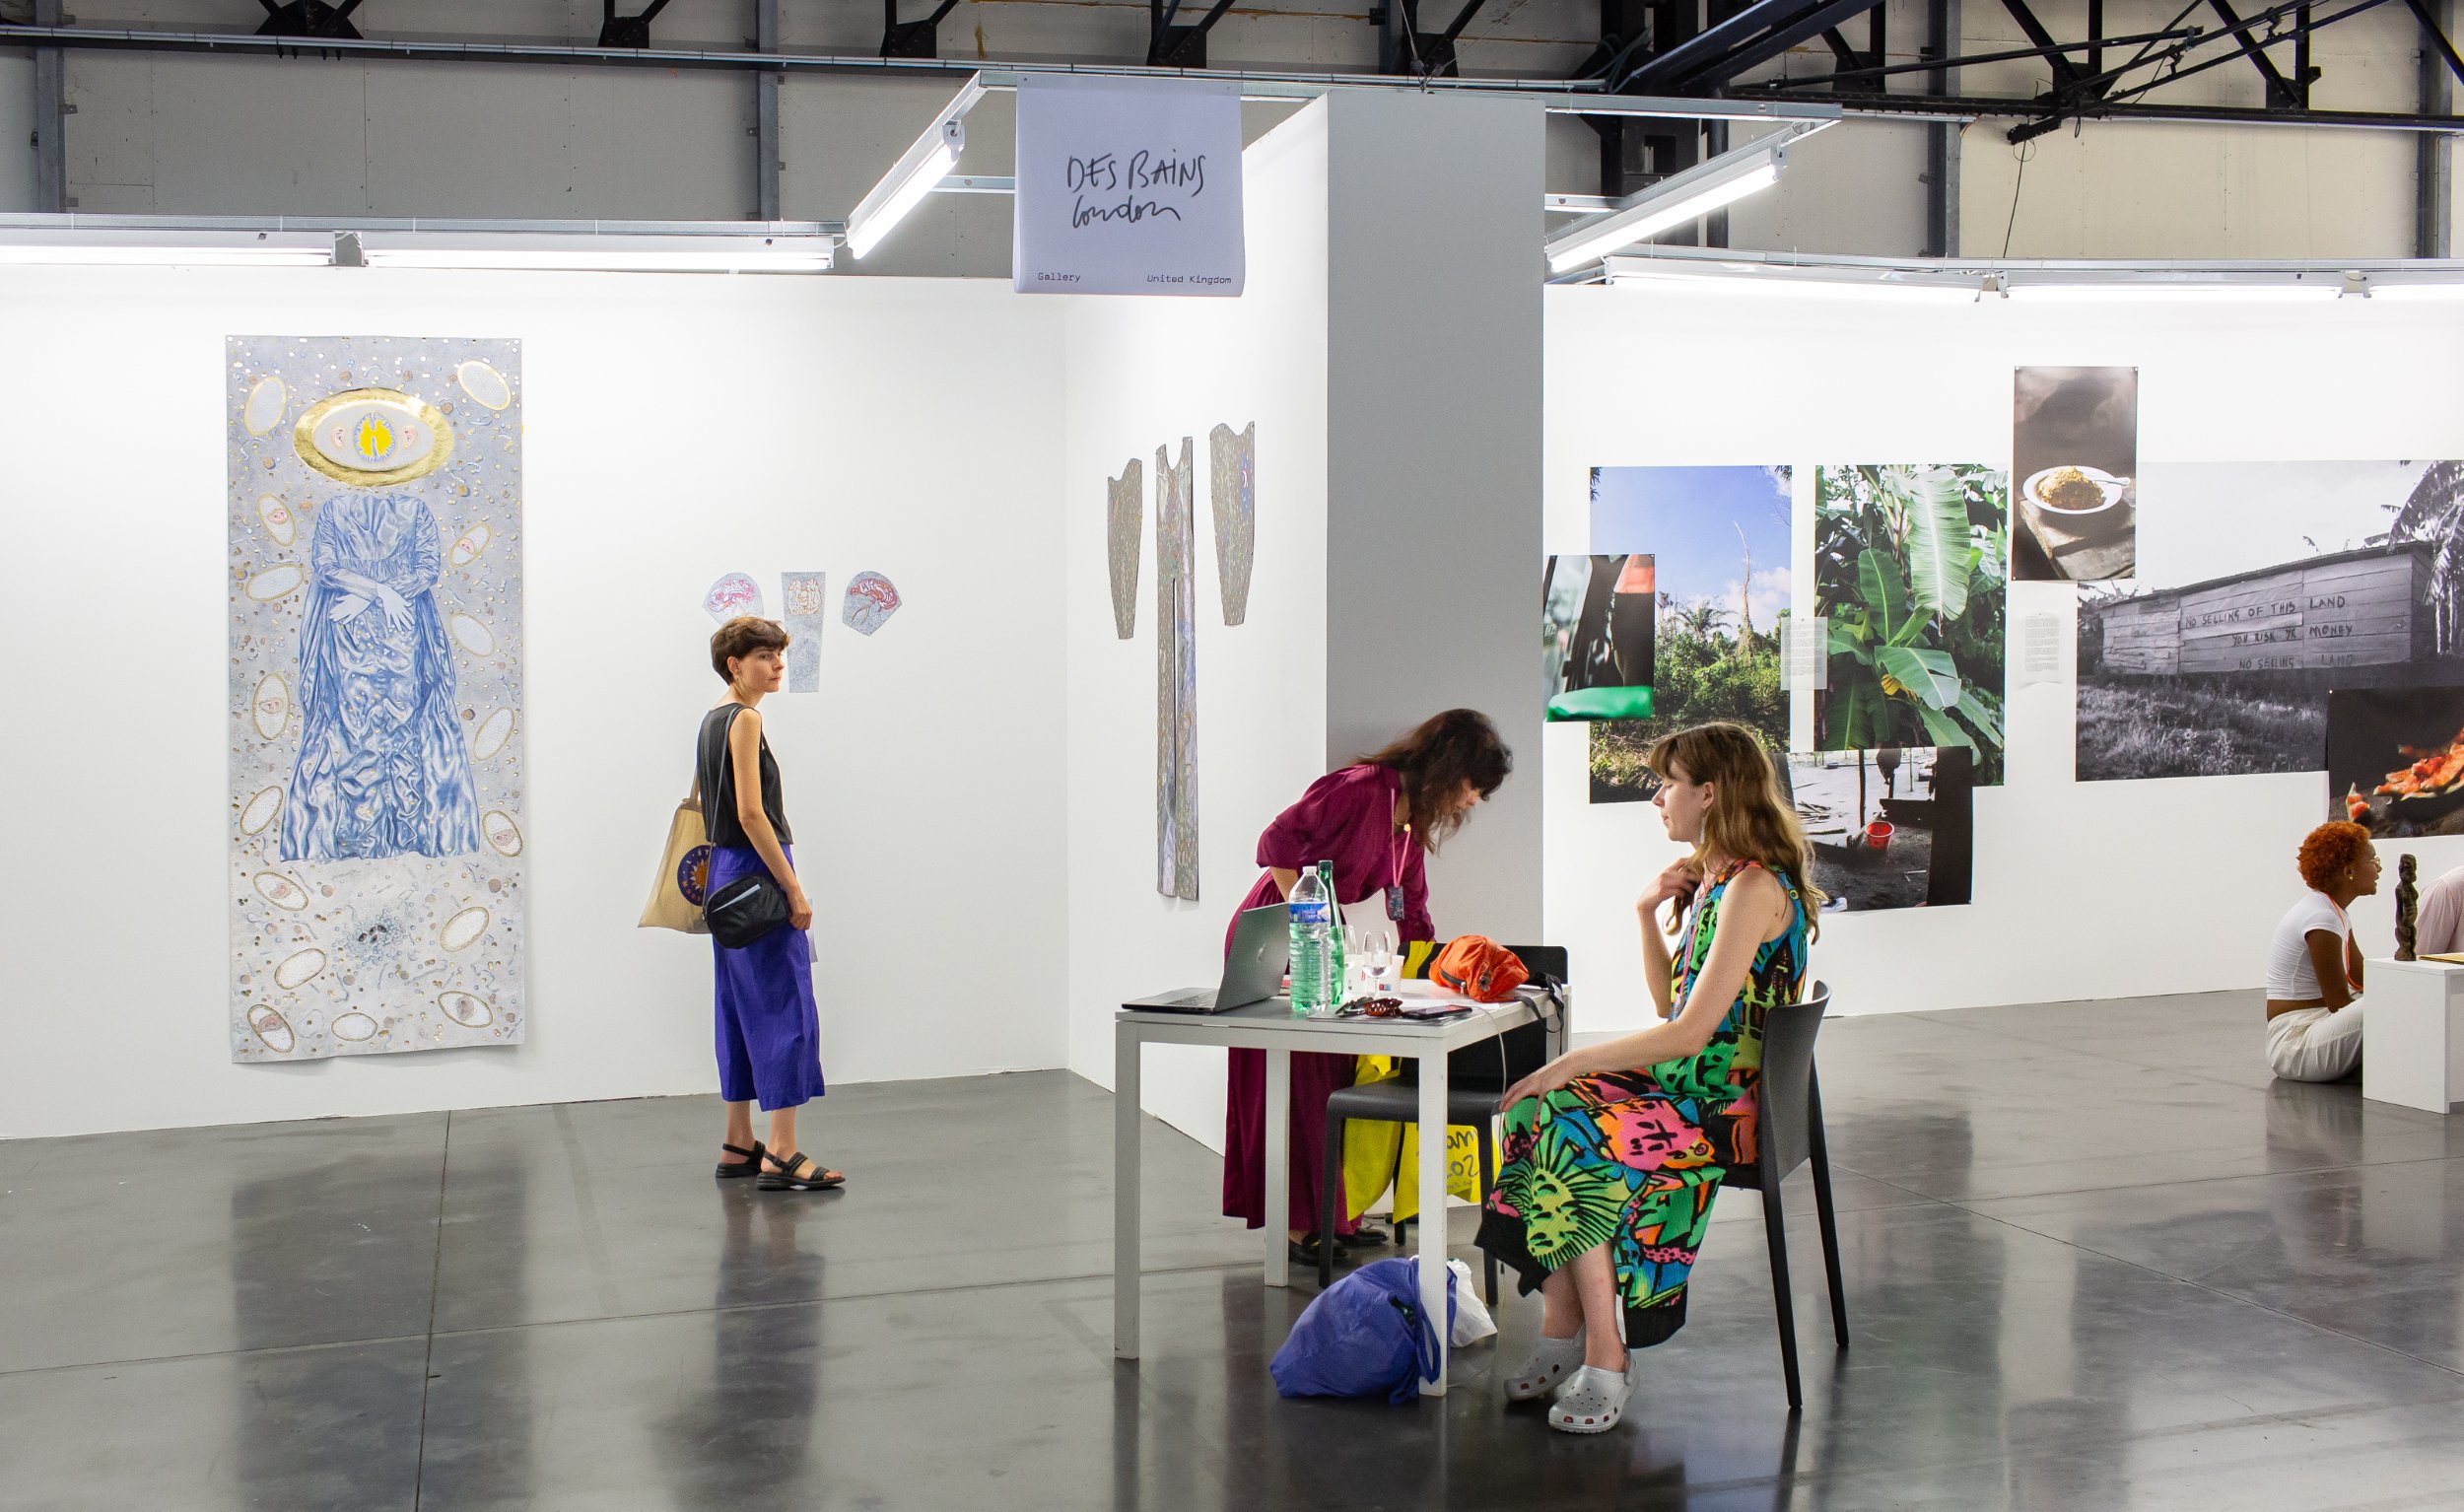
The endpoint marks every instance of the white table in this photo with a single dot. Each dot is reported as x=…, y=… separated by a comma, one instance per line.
x=2413, y=1034
x=1270, y=1027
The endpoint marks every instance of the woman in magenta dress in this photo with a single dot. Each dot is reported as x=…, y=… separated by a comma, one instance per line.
x=1376, y=820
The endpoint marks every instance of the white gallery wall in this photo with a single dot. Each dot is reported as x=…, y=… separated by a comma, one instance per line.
x=2082, y=891
x=1143, y=373
x=679, y=426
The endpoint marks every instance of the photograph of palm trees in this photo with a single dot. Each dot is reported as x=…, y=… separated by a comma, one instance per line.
x=1911, y=572
x=2261, y=587
x=1719, y=542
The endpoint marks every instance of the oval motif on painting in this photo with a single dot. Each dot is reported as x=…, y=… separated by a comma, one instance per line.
x=281, y=891
x=470, y=635
x=372, y=436
x=355, y=1026
x=468, y=1010
x=279, y=522
x=276, y=581
x=260, y=811
x=463, y=929
x=299, y=967
x=271, y=706
x=493, y=732
x=504, y=836
x=475, y=542
x=272, y=1028
x=484, y=384
x=267, y=402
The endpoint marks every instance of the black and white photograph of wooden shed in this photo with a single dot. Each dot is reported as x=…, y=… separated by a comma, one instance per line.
x=2261, y=587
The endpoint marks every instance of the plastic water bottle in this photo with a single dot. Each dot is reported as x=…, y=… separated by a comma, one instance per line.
x=1311, y=908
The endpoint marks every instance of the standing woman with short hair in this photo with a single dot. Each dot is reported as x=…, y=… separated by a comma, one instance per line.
x=1377, y=820
x=769, y=1030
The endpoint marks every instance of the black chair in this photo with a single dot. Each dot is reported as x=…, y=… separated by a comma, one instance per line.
x=1791, y=1135
x=1474, y=1078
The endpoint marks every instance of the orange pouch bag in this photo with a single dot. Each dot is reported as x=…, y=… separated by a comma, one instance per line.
x=1480, y=968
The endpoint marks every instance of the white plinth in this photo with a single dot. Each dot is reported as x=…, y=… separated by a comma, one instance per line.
x=2413, y=1035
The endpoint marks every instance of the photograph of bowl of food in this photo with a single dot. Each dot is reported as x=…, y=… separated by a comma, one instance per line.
x=2072, y=497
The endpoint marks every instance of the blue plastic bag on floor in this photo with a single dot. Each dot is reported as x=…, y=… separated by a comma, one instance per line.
x=1364, y=1336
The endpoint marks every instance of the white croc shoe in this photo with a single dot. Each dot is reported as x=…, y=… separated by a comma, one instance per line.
x=1593, y=1400
x=1550, y=1359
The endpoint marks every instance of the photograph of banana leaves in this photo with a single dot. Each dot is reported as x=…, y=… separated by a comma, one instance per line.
x=1891, y=828
x=1911, y=572
x=2075, y=458
x=1596, y=618
x=2395, y=759
x=2261, y=587
x=1719, y=541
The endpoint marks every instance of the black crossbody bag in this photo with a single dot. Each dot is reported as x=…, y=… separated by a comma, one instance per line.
x=751, y=906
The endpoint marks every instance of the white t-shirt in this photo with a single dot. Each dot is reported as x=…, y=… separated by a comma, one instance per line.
x=2290, y=975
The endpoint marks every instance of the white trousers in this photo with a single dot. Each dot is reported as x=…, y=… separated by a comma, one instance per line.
x=2315, y=1044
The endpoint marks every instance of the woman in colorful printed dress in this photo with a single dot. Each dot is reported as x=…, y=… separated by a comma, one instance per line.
x=1613, y=1153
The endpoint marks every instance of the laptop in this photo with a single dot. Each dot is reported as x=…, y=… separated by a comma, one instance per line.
x=1262, y=947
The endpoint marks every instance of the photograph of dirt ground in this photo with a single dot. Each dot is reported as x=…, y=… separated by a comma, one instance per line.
x=1890, y=828
x=2261, y=587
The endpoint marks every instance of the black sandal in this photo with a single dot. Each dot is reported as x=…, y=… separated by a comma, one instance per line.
x=1304, y=1250
x=799, y=1173
x=751, y=1165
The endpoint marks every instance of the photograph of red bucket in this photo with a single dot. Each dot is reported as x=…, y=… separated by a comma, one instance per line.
x=1890, y=828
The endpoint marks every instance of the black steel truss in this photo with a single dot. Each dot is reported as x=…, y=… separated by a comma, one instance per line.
x=1406, y=47
x=1170, y=45
x=919, y=38
x=2079, y=85
x=627, y=31
x=308, y=19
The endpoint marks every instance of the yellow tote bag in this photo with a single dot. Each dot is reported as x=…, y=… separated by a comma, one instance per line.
x=1381, y=1155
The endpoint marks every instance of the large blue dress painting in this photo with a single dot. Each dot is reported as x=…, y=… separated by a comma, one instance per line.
x=377, y=879
x=384, y=768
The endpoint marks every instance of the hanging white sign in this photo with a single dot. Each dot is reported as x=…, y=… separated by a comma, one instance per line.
x=1128, y=186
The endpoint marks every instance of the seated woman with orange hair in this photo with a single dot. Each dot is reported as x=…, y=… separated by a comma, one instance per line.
x=2313, y=968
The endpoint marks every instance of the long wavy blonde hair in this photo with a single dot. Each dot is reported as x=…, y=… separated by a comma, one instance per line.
x=1747, y=820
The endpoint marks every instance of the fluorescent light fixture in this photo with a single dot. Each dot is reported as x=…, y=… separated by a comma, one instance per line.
x=599, y=253
x=915, y=175
x=120, y=241
x=192, y=250
x=1661, y=211
x=2173, y=291
x=2424, y=292
x=1939, y=289
x=1680, y=198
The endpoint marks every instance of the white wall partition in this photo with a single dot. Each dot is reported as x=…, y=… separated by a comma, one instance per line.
x=1143, y=373
x=679, y=426
x=2082, y=891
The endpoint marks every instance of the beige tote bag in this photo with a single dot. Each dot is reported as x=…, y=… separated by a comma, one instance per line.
x=683, y=873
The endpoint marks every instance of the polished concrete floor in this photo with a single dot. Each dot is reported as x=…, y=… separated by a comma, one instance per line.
x=2096, y=1259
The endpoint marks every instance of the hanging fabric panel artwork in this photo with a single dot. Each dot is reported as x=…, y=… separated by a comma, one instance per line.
x=804, y=607
x=1176, y=674
x=376, y=809
x=734, y=595
x=1233, y=493
x=1124, y=510
x=870, y=601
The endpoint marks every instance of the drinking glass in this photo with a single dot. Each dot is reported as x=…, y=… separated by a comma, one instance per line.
x=1379, y=951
